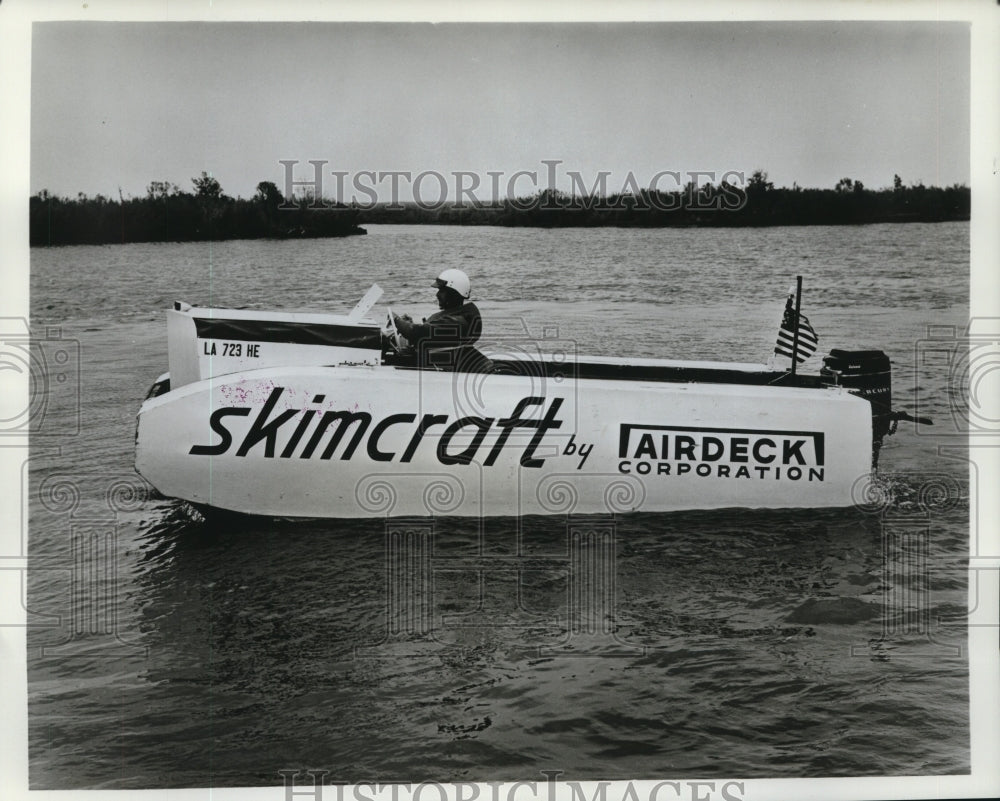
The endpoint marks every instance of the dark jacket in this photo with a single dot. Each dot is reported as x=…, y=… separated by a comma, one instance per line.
x=445, y=340
x=448, y=328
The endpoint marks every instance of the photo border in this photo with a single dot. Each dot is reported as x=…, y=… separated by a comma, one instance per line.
x=16, y=18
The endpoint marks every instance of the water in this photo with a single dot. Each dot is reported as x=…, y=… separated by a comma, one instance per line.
x=751, y=644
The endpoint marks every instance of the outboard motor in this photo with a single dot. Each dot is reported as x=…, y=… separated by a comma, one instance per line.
x=865, y=373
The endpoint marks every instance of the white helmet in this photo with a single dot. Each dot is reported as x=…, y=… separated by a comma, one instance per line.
x=457, y=280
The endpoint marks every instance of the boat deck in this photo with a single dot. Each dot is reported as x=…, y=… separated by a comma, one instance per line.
x=649, y=370
x=683, y=374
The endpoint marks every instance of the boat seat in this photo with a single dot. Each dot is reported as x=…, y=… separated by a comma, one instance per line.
x=459, y=359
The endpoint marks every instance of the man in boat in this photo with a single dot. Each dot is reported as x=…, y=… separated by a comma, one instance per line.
x=445, y=339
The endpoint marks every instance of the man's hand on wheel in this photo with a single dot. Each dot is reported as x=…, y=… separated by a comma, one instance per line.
x=404, y=324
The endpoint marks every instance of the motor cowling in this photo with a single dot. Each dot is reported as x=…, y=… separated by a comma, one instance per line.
x=868, y=374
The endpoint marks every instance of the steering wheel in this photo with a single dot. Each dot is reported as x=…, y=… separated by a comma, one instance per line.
x=393, y=333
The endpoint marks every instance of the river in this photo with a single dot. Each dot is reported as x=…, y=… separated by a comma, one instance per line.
x=165, y=651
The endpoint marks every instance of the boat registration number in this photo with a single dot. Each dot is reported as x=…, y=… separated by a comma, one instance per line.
x=250, y=350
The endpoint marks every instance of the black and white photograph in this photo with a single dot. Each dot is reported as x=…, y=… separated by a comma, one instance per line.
x=497, y=404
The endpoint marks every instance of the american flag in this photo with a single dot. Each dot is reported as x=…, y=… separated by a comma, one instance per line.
x=786, y=335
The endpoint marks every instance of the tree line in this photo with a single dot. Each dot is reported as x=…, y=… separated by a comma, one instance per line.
x=167, y=214
x=758, y=203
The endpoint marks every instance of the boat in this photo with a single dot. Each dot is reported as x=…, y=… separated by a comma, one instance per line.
x=300, y=415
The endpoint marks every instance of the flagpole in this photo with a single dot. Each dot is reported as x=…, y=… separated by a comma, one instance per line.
x=795, y=333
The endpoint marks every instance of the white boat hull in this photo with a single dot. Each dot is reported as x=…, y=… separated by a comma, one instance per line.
x=371, y=441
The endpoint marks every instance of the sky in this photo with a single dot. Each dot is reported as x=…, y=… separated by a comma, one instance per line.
x=116, y=105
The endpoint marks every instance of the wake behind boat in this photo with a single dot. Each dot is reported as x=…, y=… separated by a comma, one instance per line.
x=315, y=415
